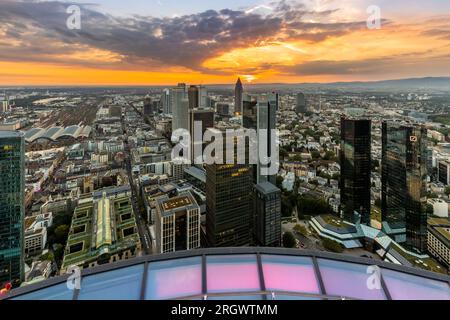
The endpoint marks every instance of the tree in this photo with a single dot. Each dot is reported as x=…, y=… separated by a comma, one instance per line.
x=301, y=230
x=58, y=251
x=315, y=154
x=332, y=245
x=49, y=256
x=378, y=202
x=432, y=195
x=430, y=209
x=286, y=206
x=279, y=182
x=447, y=190
x=336, y=176
x=329, y=155
x=288, y=240
x=61, y=233
x=308, y=205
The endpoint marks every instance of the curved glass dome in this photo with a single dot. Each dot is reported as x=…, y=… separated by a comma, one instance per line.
x=244, y=274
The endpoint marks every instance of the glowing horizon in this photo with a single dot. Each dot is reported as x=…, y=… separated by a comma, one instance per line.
x=318, y=41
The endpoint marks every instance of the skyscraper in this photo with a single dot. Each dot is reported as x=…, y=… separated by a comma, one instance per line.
x=228, y=203
x=180, y=107
x=267, y=215
x=193, y=97
x=300, y=106
x=355, y=160
x=404, y=173
x=259, y=113
x=166, y=101
x=238, y=90
x=206, y=117
x=177, y=223
x=203, y=98
x=12, y=186
x=150, y=106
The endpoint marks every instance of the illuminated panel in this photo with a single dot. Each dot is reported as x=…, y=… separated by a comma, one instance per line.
x=287, y=273
x=174, y=278
x=236, y=273
x=120, y=284
x=403, y=286
x=239, y=297
x=348, y=280
x=56, y=292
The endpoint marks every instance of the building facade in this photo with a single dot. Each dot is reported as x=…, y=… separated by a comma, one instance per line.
x=228, y=203
x=404, y=174
x=300, y=106
x=259, y=113
x=444, y=172
x=438, y=240
x=103, y=230
x=177, y=223
x=12, y=186
x=180, y=107
x=238, y=91
x=206, y=118
x=267, y=215
x=355, y=160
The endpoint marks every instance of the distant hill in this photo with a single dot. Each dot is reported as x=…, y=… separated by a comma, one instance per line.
x=411, y=84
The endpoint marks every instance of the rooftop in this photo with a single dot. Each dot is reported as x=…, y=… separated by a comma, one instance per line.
x=243, y=273
x=176, y=202
x=10, y=134
x=441, y=225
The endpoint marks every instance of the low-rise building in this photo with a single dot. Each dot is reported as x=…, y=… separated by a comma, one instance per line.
x=440, y=207
x=177, y=223
x=438, y=241
x=35, y=233
x=103, y=230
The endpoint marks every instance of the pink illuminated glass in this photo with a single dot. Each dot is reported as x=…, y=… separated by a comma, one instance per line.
x=234, y=273
x=284, y=273
x=174, y=278
x=409, y=287
x=348, y=280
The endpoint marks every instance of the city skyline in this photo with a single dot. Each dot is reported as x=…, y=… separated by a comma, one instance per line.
x=259, y=41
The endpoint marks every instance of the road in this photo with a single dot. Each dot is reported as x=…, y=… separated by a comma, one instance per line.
x=144, y=233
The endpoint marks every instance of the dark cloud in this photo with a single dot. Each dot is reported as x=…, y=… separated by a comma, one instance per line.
x=326, y=67
x=185, y=41
x=441, y=33
x=376, y=66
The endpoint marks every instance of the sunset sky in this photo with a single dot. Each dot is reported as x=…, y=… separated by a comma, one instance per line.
x=150, y=42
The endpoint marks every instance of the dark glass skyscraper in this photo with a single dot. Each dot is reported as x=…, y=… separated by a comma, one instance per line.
x=355, y=159
x=228, y=203
x=300, y=106
x=193, y=96
x=206, y=117
x=260, y=113
x=404, y=172
x=267, y=215
x=12, y=187
x=238, y=90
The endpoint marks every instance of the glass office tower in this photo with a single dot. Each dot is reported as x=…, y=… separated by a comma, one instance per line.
x=355, y=158
x=228, y=202
x=238, y=90
x=260, y=113
x=404, y=173
x=11, y=207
